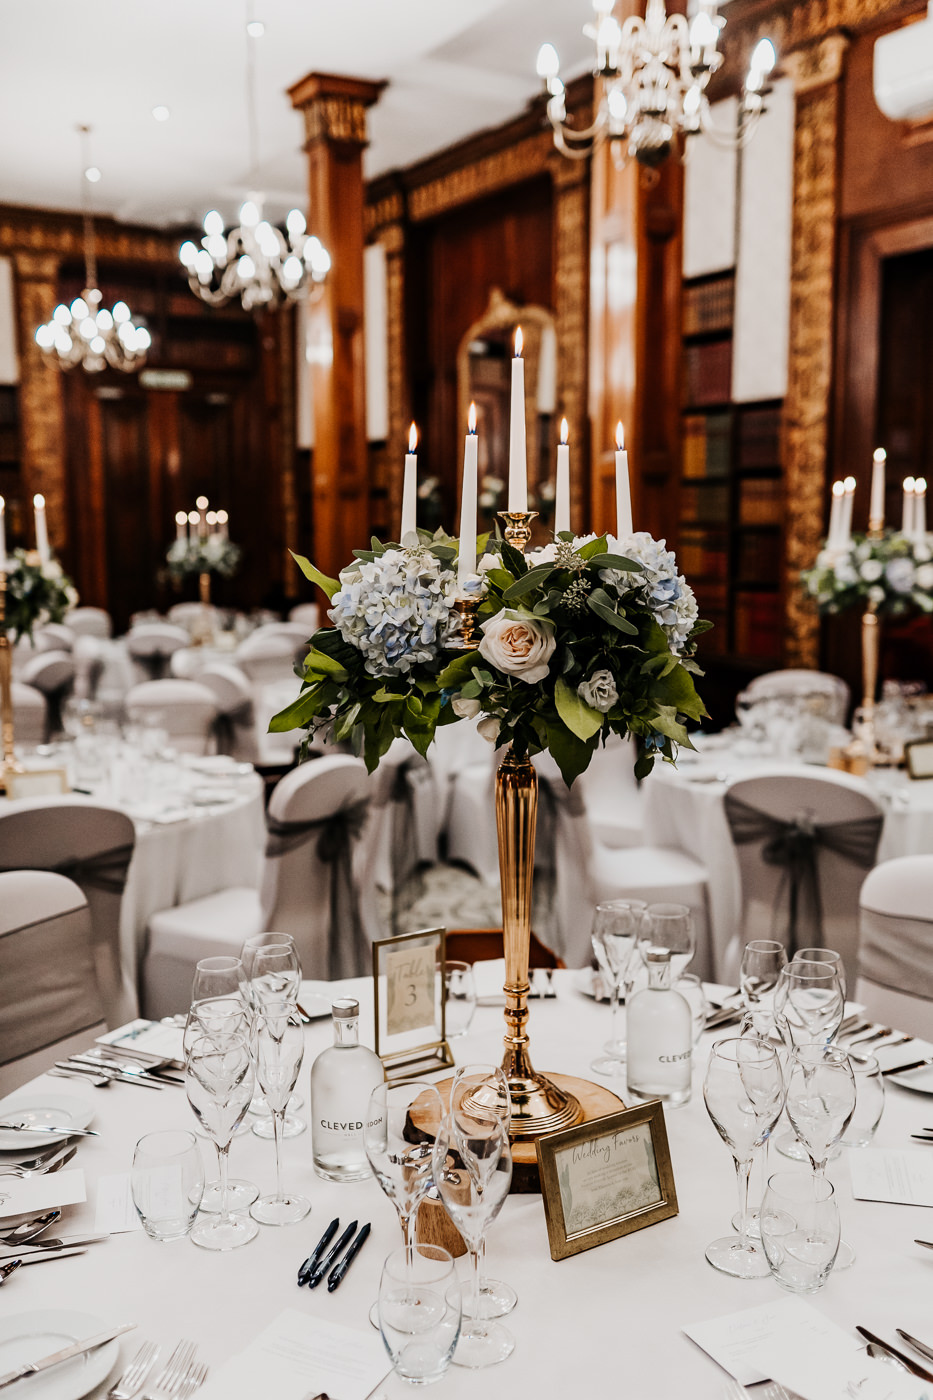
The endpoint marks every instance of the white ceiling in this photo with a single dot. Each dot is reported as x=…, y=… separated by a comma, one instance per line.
x=454, y=67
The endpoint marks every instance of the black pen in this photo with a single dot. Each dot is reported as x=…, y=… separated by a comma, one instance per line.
x=307, y=1268
x=326, y=1263
x=340, y=1271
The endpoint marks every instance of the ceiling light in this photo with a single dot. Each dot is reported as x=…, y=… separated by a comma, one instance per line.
x=92, y=174
x=255, y=29
x=161, y=114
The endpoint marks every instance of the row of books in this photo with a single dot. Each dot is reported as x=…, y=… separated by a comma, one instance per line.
x=708, y=373
x=707, y=442
x=757, y=619
x=708, y=306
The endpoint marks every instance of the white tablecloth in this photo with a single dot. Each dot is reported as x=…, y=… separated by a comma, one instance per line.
x=605, y=1323
x=684, y=808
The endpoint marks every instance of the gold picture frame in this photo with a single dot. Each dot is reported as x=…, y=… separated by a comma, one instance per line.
x=606, y=1178
x=918, y=757
x=37, y=782
x=409, y=999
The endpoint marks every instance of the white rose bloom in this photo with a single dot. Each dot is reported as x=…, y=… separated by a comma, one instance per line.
x=465, y=709
x=922, y=553
x=489, y=728
x=876, y=594
x=599, y=692
x=871, y=570
x=924, y=576
x=488, y=561
x=519, y=646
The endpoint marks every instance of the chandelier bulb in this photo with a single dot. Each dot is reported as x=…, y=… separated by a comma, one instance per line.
x=249, y=214
x=764, y=57
x=548, y=64
x=213, y=223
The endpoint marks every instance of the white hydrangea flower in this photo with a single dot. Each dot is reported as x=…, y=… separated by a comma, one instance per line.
x=395, y=609
x=924, y=577
x=872, y=570
x=900, y=574
x=666, y=592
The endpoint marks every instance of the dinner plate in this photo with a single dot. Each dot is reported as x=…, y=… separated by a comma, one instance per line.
x=36, y=1106
x=590, y=983
x=920, y=1081
x=29, y=1335
x=314, y=1002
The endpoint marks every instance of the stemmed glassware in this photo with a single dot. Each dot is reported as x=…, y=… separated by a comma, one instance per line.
x=273, y=972
x=218, y=1017
x=763, y=961
x=278, y=1044
x=830, y=957
x=809, y=1004
x=668, y=926
x=744, y=1095
x=488, y=1085
x=219, y=1081
x=473, y=1172
x=820, y=1103
x=220, y=978
x=616, y=925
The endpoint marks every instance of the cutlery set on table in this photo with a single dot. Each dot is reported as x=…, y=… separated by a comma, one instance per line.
x=181, y=1375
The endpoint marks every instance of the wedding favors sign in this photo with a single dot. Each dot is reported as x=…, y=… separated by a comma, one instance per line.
x=606, y=1178
x=408, y=973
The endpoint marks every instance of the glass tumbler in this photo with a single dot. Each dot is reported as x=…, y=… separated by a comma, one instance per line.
x=166, y=1181
x=869, y=1101
x=799, y=1230
x=459, y=997
x=419, y=1312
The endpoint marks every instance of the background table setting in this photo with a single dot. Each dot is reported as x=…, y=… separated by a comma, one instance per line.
x=609, y=1316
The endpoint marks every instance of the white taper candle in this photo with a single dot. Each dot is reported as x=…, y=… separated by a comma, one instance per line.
x=876, y=505
x=623, y=487
x=42, y=531
x=562, y=483
x=466, y=558
x=409, y=525
x=518, y=466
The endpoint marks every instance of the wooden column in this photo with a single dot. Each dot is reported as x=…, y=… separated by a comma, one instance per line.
x=334, y=110
x=387, y=223
x=40, y=395
x=571, y=275
x=817, y=70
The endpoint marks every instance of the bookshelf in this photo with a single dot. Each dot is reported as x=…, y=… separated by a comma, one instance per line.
x=731, y=491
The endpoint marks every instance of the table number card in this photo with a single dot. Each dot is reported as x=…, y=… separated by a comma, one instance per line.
x=408, y=973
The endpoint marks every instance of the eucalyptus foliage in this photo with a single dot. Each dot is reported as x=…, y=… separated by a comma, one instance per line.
x=36, y=593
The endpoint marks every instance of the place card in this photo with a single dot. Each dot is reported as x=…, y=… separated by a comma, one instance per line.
x=410, y=1003
x=115, y=1211
x=37, y=782
x=19, y=1196
x=297, y=1357
x=162, y=1042
x=904, y=1178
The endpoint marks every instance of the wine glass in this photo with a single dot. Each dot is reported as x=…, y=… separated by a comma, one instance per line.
x=473, y=1172
x=762, y=963
x=869, y=1100
x=820, y=1103
x=615, y=927
x=830, y=957
x=219, y=1083
x=273, y=972
x=744, y=1095
x=419, y=1312
x=216, y=1018
x=488, y=1085
x=808, y=1008
x=668, y=926
x=279, y=1049
x=220, y=977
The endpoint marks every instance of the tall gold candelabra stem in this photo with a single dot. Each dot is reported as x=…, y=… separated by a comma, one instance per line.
x=871, y=643
x=8, y=764
x=518, y=527
x=204, y=588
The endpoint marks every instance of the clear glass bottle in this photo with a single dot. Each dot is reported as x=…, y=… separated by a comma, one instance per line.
x=659, y=1036
x=342, y=1078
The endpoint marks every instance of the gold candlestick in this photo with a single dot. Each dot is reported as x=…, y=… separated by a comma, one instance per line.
x=518, y=527
x=204, y=588
x=8, y=762
x=468, y=639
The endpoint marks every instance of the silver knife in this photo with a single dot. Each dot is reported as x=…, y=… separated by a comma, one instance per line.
x=108, y=1072
x=30, y=1368
x=917, y=1346
x=42, y=1258
x=26, y=1250
x=48, y=1128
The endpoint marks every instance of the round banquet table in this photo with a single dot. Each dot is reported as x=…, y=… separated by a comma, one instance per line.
x=605, y=1322
x=683, y=807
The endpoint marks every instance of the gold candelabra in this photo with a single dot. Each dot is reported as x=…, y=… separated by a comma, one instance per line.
x=518, y=527
x=468, y=640
x=8, y=762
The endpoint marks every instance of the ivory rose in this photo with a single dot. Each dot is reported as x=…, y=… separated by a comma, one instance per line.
x=465, y=708
x=518, y=645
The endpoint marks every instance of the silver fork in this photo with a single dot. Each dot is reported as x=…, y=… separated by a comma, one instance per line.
x=49, y=1162
x=193, y=1381
x=169, y=1381
x=136, y=1373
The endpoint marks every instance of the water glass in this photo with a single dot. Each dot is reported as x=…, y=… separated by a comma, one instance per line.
x=669, y=926
x=459, y=997
x=419, y=1312
x=219, y=977
x=166, y=1182
x=617, y=924
x=869, y=1101
x=800, y=1230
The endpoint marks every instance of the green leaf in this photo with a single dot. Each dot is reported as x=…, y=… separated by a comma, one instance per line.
x=570, y=754
x=385, y=697
x=513, y=560
x=499, y=578
x=665, y=722
x=318, y=662
x=457, y=671
x=326, y=585
x=614, y=561
x=297, y=714
x=472, y=690
x=592, y=548
x=598, y=602
x=677, y=689
x=534, y=578
x=700, y=626
x=579, y=718
x=344, y=724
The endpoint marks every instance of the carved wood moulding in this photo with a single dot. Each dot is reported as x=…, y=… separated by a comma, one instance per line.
x=58, y=235
x=483, y=177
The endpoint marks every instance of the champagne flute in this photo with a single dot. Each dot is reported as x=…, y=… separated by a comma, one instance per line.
x=820, y=1104
x=744, y=1095
x=809, y=1004
x=487, y=1085
x=615, y=927
x=217, y=1018
x=279, y=1050
x=273, y=971
x=669, y=926
x=763, y=960
x=473, y=1172
x=219, y=1083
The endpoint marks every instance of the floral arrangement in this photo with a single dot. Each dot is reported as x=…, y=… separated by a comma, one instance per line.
x=582, y=638
x=203, y=554
x=893, y=573
x=36, y=593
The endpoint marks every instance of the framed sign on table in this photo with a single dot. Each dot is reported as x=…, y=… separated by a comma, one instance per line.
x=411, y=1029
x=606, y=1178
x=37, y=782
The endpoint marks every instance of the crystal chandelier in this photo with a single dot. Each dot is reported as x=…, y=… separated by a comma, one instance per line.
x=261, y=264
x=653, y=74
x=85, y=333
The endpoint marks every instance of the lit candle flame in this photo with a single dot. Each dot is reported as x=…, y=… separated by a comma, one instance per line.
x=920, y=486
x=222, y=517
x=850, y=484
x=620, y=436
x=180, y=518
x=201, y=503
x=471, y=418
x=211, y=518
x=909, y=485
x=839, y=488
x=564, y=431
x=879, y=455
x=519, y=342
x=193, y=517
x=39, y=502
x=412, y=438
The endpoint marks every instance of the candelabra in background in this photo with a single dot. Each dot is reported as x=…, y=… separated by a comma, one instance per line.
x=85, y=333
x=652, y=76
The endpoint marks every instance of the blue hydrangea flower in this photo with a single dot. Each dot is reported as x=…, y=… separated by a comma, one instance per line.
x=395, y=609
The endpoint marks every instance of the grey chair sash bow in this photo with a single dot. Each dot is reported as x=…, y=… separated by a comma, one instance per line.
x=897, y=952
x=348, y=951
x=794, y=846
x=225, y=724
x=104, y=870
